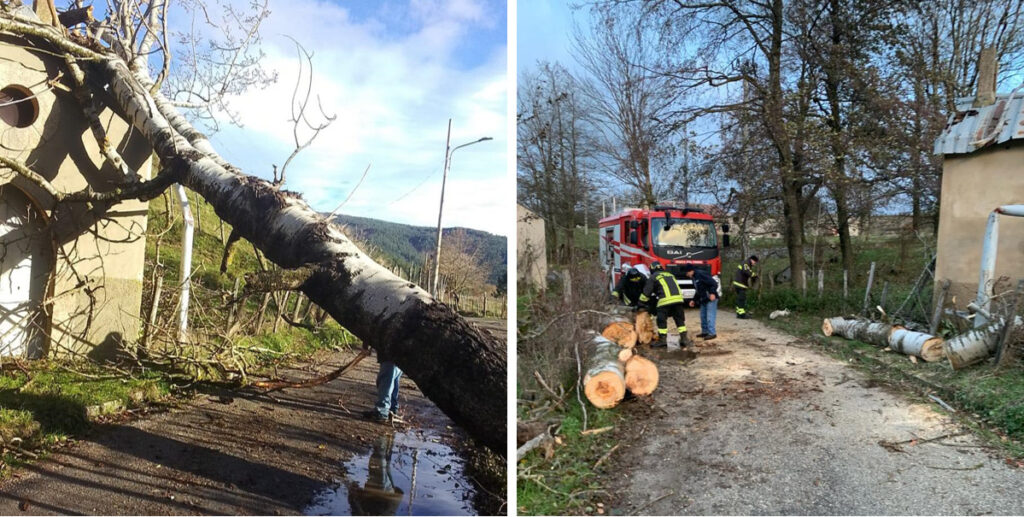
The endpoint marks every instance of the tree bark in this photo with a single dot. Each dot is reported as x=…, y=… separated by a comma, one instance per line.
x=605, y=381
x=458, y=367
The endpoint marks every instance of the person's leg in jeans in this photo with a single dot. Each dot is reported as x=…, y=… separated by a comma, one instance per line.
x=387, y=389
x=708, y=313
x=394, y=391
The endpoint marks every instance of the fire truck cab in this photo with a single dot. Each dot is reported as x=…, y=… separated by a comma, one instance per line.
x=666, y=234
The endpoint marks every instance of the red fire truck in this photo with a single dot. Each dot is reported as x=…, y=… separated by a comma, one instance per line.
x=667, y=234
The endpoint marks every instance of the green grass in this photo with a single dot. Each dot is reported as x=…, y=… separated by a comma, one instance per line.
x=567, y=483
x=48, y=403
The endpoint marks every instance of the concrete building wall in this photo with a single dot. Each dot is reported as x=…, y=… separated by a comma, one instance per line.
x=95, y=287
x=972, y=186
x=531, y=250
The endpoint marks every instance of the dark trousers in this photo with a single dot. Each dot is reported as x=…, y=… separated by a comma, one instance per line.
x=675, y=311
x=741, y=301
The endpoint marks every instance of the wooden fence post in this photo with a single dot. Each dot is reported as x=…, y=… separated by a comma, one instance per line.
x=821, y=282
x=281, y=309
x=885, y=291
x=232, y=313
x=153, y=308
x=939, y=304
x=263, y=310
x=867, y=292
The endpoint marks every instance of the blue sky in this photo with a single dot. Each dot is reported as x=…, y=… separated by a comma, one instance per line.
x=393, y=72
x=545, y=30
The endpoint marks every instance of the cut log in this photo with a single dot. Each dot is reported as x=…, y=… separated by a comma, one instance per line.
x=622, y=333
x=625, y=354
x=975, y=345
x=645, y=332
x=916, y=344
x=605, y=381
x=871, y=332
x=641, y=375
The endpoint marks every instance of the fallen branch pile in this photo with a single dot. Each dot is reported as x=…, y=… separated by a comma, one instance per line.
x=615, y=366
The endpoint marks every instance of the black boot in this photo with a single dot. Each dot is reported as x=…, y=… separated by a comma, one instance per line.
x=660, y=342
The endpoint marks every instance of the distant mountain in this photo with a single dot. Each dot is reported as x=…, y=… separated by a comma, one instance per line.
x=406, y=245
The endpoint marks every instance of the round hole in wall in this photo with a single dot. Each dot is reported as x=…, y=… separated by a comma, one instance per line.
x=18, y=107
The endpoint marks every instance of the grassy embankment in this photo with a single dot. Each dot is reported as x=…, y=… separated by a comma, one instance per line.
x=567, y=481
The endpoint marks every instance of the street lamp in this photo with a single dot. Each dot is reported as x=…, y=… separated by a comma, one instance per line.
x=447, y=163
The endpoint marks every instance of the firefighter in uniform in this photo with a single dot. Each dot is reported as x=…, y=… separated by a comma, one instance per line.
x=743, y=280
x=662, y=291
x=631, y=285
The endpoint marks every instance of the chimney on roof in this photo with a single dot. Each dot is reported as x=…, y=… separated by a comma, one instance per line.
x=988, y=70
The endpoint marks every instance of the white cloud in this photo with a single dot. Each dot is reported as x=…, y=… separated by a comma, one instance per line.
x=393, y=84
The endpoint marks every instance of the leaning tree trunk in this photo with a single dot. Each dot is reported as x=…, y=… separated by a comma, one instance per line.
x=455, y=365
x=458, y=367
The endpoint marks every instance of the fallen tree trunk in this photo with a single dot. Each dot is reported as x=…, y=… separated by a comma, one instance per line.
x=873, y=333
x=457, y=366
x=917, y=344
x=975, y=345
x=641, y=375
x=605, y=381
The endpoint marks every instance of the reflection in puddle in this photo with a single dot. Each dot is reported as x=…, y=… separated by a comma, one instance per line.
x=403, y=474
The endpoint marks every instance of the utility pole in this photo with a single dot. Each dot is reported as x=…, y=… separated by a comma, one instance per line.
x=448, y=152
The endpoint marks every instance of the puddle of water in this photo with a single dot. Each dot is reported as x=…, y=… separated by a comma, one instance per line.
x=402, y=474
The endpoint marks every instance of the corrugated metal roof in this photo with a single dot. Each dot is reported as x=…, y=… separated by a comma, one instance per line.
x=970, y=129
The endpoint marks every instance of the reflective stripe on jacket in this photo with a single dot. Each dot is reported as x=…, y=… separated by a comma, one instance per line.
x=744, y=275
x=663, y=287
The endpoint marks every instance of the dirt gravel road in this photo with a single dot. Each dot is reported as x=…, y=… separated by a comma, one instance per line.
x=236, y=453
x=763, y=423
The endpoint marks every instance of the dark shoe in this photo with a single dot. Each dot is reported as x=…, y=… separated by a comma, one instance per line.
x=684, y=341
x=709, y=337
x=741, y=316
x=659, y=343
x=701, y=334
x=374, y=416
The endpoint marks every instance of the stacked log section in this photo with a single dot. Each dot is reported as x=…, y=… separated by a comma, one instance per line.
x=918, y=344
x=605, y=381
x=645, y=328
x=621, y=332
x=641, y=375
x=975, y=345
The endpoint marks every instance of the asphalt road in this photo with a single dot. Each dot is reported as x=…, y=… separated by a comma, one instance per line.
x=228, y=453
x=763, y=423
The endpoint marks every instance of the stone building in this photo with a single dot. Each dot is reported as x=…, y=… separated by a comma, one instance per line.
x=983, y=168
x=70, y=273
x=531, y=250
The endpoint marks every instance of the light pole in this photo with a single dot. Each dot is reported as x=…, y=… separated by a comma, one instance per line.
x=444, y=177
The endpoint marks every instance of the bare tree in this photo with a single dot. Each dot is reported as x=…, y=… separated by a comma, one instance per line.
x=631, y=101
x=554, y=151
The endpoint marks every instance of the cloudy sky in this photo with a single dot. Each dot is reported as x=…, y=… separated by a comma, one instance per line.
x=393, y=72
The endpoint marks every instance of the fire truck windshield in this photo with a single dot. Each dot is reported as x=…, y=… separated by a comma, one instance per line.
x=687, y=233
